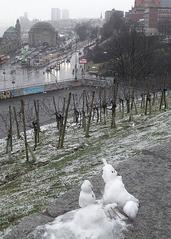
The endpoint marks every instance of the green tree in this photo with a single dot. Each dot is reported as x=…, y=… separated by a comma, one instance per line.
x=86, y=31
x=115, y=25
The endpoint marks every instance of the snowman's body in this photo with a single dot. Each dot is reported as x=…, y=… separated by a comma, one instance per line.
x=115, y=192
x=90, y=221
x=87, y=196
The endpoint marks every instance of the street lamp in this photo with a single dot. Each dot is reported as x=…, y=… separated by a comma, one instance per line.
x=75, y=68
x=4, y=73
x=105, y=55
x=13, y=84
x=76, y=71
x=13, y=72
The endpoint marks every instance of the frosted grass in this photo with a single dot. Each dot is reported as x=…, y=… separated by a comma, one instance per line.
x=29, y=187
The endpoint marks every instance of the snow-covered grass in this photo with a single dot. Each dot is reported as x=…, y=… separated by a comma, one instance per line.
x=27, y=187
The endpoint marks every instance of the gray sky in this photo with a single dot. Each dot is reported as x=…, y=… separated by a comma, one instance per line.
x=11, y=9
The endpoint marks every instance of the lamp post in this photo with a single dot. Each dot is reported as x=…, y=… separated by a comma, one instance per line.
x=13, y=72
x=76, y=68
x=105, y=55
x=13, y=84
x=4, y=73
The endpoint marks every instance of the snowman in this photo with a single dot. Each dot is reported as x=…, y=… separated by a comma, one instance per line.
x=93, y=217
x=115, y=192
x=87, y=195
x=89, y=221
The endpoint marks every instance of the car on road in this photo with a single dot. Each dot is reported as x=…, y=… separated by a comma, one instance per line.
x=68, y=60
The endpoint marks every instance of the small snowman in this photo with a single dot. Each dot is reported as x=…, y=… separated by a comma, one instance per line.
x=115, y=192
x=92, y=218
x=87, y=196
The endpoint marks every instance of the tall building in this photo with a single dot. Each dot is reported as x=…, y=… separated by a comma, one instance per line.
x=55, y=14
x=65, y=14
x=156, y=14
x=137, y=12
x=26, y=15
x=151, y=3
x=25, y=23
x=139, y=3
x=109, y=13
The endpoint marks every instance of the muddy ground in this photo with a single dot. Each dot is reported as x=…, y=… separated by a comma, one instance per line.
x=147, y=176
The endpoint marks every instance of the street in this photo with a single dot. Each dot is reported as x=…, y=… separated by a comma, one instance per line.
x=13, y=77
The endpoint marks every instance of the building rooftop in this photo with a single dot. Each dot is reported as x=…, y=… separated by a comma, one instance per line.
x=42, y=26
x=11, y=30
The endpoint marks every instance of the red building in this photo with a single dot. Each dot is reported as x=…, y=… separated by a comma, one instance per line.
x=139, y=3
x=153, y=13
x=137, y=12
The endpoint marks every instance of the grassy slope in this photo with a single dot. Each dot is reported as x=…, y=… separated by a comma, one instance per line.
x=28, y=187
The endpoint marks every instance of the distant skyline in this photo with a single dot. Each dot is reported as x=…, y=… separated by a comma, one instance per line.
x=10, y=10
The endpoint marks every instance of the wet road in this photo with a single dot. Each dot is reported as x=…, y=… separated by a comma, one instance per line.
x=12, y=77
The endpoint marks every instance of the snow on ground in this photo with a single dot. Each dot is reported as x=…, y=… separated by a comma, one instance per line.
x=88, y=222
x=28, y=187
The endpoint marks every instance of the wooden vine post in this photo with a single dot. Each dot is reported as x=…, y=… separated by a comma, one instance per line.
x=115, y=91
x=83, y=112
x=10, y=115
x=63, y=129
x=17, y=124
x=89, y=117
x=24, y=129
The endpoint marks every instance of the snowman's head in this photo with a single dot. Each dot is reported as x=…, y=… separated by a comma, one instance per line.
x=109, y=173
x=86, y=186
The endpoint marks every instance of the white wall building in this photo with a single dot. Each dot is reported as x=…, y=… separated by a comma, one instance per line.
x=55, y=14
x=65, y=14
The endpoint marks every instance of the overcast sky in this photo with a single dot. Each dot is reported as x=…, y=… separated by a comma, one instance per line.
x=40, y=9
